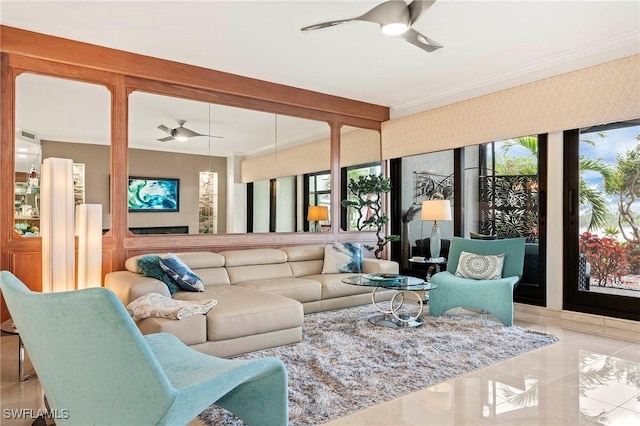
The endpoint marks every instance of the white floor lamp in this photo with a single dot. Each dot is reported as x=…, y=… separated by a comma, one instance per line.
x=56, y=225
x=89, y=232
x=435, y=210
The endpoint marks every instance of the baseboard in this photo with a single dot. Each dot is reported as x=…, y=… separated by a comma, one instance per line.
x=588, y=323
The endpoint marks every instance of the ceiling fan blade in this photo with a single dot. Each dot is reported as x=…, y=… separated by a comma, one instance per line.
x=416, y=8
x=423, y=42
x=325, y=25
x=167, y=139
x=164, y=128
x=389, y=11
x=188, y=133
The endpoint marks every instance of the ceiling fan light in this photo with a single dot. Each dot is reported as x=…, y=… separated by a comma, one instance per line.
x=394, y=28
x=181, y=138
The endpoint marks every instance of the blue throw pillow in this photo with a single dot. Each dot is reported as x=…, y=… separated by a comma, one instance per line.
x=342, y=257
x=149, y=266
x=181, y=274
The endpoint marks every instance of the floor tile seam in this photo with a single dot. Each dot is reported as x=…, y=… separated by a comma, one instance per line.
x=426, y=402
x=618, y=405
x=551, y=382
x=629, y=347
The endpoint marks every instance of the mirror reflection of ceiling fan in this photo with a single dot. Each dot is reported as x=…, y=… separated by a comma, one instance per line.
x=180, y=133
x=395, y=18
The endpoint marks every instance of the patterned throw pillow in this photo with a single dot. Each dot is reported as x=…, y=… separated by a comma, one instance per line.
x=181, y=274
x=342, y=257
x=480, y=267
x=149, y=266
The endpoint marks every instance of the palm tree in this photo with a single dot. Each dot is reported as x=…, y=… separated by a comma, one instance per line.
x=588, y=196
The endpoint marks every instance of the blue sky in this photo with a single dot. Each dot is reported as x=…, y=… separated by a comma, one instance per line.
x=615, y=142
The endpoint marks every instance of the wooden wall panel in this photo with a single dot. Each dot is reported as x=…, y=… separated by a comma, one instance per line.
x=122, y=72
x=62, y=50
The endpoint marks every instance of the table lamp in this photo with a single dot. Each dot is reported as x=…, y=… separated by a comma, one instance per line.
x=435, y=210
x=316, y=214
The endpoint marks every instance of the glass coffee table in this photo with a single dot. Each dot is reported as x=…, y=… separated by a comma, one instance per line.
x=402, y=285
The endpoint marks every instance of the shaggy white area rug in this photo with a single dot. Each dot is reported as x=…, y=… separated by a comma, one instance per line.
x=344, y=363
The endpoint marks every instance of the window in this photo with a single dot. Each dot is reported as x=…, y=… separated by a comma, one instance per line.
x=350, y=215
x=602, y=219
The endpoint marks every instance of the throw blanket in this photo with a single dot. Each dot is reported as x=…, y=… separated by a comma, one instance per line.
x=157, y=305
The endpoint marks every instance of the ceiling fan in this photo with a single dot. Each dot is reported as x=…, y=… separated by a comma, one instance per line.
x=180, y=133
x=395, y=18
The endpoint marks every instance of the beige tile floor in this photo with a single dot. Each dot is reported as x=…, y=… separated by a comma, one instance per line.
x=588, y=377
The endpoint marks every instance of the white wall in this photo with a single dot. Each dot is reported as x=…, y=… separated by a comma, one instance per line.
x=261, y=196
x=236, y=197
x=555, y=185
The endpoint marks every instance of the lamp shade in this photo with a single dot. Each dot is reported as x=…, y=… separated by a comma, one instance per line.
x=318, y=213
x=89, y=232
x=436, y=210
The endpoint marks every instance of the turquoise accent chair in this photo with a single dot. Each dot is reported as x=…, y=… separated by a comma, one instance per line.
x=493, y=296
x=97, y=368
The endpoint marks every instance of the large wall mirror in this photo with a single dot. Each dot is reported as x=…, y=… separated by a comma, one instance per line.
x=198, y=168
x=360, y=154
x=282, y=198
x=56, y=117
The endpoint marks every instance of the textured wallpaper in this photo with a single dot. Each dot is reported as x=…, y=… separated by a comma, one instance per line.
x=357, y=146
x=595, y=95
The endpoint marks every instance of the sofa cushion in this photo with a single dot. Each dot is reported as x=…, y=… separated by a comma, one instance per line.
x=305, y=260
x=244, y=312
x=299, y=289
x=303, y=253
x=238, y=274
x=180, y=273
x=190, y=331
x=253, y=257
x=480, y=267
x=202, y=259
x=332, y=286
x=342, y=257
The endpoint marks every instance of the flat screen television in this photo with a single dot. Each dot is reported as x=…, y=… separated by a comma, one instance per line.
x=149, y=195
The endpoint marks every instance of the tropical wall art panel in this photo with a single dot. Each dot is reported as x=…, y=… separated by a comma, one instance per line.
x=153, y=194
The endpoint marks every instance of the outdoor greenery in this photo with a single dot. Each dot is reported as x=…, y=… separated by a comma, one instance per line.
x=607, y=257
x=528, y=165
x=367, y=194
x=624, y=182
x=610, y=259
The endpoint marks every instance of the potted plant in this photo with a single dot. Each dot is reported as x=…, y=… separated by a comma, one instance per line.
x=368, y=192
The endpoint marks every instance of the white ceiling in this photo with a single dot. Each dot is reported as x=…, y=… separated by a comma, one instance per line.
x=488, y=45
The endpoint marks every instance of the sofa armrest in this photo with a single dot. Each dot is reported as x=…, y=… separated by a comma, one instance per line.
x=376, y=266
x=128, y=286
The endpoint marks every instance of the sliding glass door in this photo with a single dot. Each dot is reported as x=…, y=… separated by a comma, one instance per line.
x=505, y=197
x=602, y=219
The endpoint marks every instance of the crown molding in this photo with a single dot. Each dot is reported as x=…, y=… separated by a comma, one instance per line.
x=591, y=55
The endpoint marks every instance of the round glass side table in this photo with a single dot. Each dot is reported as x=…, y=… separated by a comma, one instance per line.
x=435, y=265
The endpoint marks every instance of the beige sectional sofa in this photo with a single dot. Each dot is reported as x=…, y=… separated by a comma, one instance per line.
x=262, y=296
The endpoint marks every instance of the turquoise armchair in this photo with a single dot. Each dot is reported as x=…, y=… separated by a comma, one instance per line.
x=493, y=296
x=97, y=368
